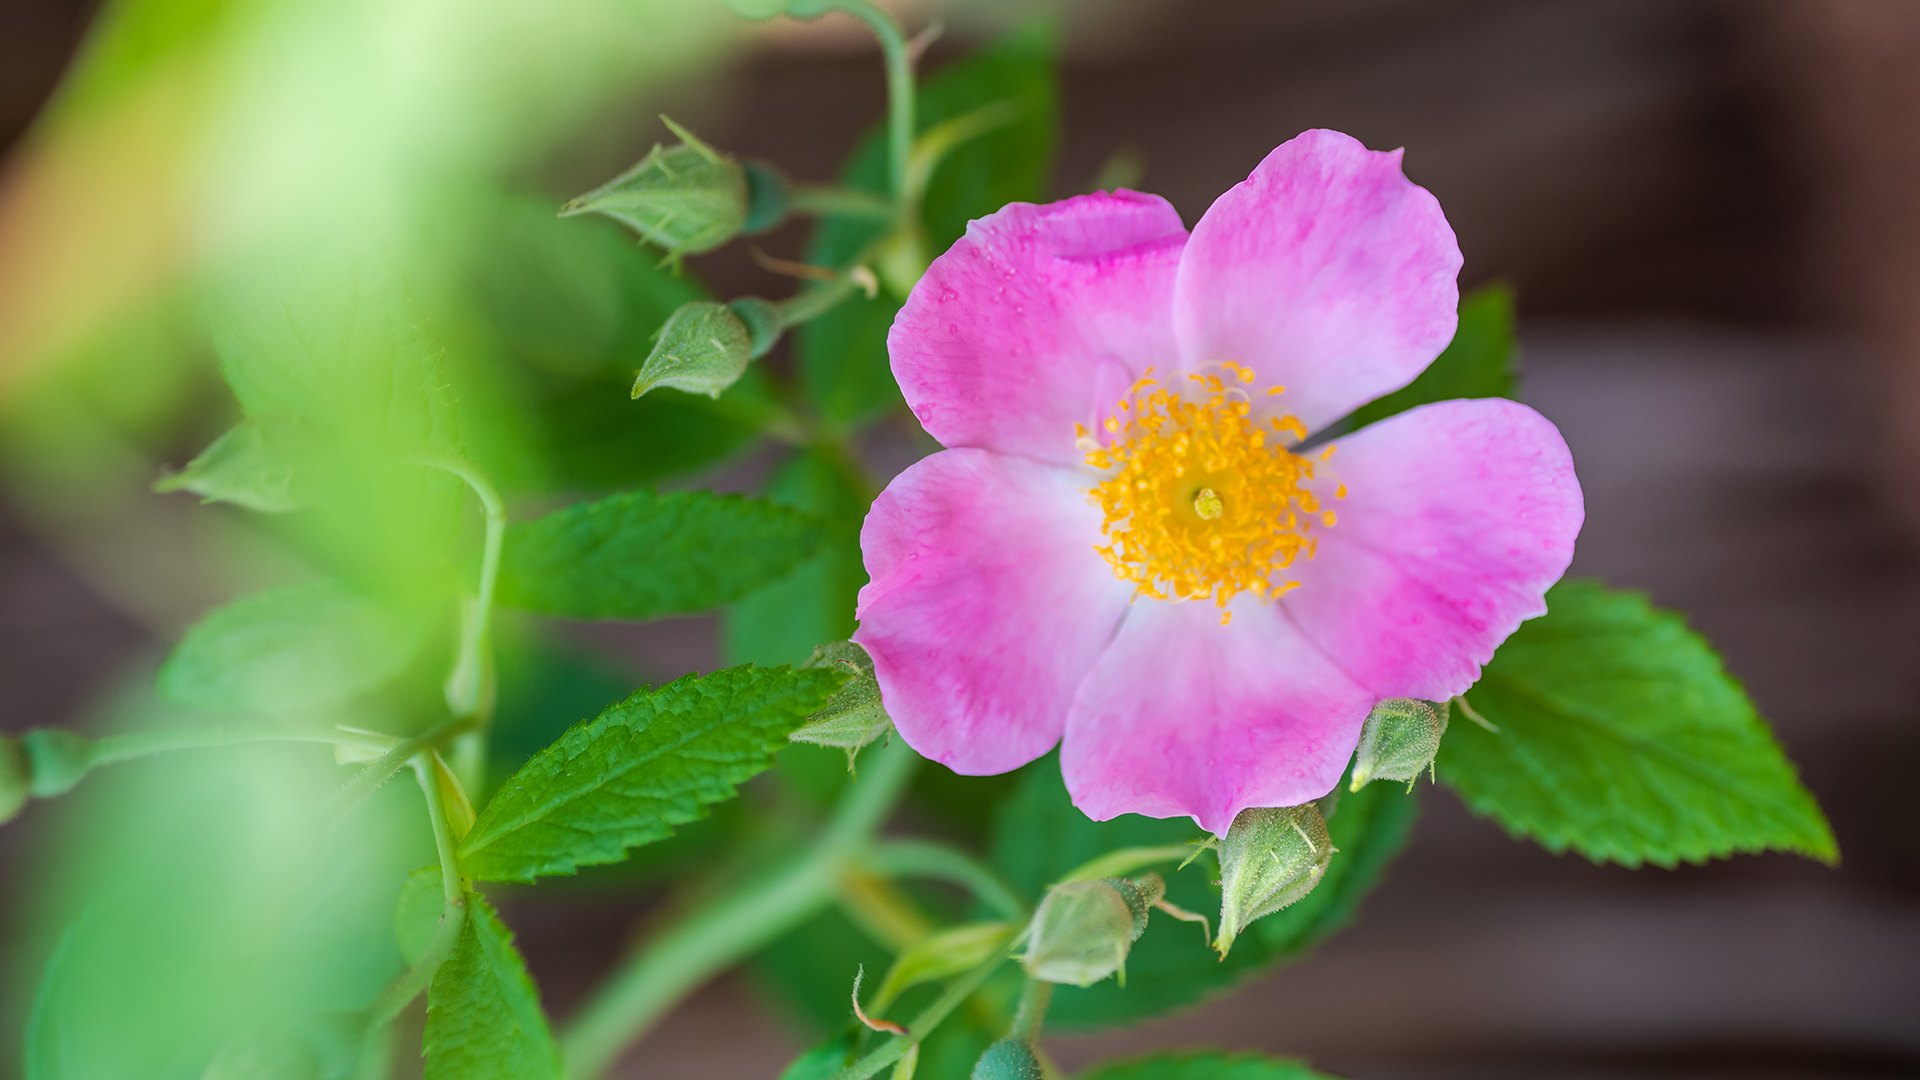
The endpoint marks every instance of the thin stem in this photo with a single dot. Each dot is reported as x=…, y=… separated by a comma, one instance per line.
x=813, y=301
x=714, y=936
x=899, y=89
x=826, y=200
x=930, y=1017
x=1034, y=998
x=114, y=749
x=922, y=858
x=1125, y=861
x=453, y=911
x=469, y=686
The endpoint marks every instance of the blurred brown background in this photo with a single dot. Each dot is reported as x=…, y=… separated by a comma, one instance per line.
x=1711, y=214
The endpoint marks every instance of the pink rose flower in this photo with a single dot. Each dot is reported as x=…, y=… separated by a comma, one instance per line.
x=1123, y=548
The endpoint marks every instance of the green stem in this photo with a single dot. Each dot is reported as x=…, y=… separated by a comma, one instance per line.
x=899, y=89
x=1125, y=861
x=922, y=858
x=930, y=1017
x=826, y=200
x=1034, y=998
x=114, y=749
x=812, y=302
x=469, y=685
x=716, y=935
x=368, y=780
x=453, y=911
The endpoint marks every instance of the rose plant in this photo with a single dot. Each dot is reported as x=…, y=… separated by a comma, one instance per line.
x=1231, y=536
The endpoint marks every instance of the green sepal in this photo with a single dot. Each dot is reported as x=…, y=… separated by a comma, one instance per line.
x=853, y=717
x=688, y=198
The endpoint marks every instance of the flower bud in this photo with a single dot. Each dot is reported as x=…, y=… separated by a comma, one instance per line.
x=1084, y=929
x=56, y=760
x=1008, y=1059
x=685, y=198
x=854, y=716
x=1398, y=742
x=1270, y=857
x=703, y=349
x=16, y=779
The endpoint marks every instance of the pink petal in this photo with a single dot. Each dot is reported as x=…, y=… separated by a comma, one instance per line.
x=1458, y=517
x=1326, y=272
x=1039, y=318
x=1183, y=716
x=988, y=604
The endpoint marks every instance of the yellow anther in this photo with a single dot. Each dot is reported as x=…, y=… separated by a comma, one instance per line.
x=1200, y=504
x=1226, y=617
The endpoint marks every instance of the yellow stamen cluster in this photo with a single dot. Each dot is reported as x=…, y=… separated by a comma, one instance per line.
x=1202, y=500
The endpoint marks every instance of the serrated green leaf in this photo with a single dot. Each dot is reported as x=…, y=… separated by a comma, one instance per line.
x=260, y=464
x=843, y=354
x=1622, y=738
x=1039, y=837
x=296, y=648
x=783, y=622
x=1478, y=363
x=484, y=1020
x=1203, y=1065
x=647, y=764
x=640, y=555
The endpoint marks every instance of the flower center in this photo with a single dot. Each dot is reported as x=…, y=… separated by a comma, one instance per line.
x=1202, y=500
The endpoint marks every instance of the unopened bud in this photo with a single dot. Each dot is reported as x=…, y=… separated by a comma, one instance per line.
x=685, y=198
x=1008, y=1059
x=703, y=349
x=1399, y=741
x=56, y=760
x=854, y=716
x=16, y=779
x=1270, y=857
x=1084, y=929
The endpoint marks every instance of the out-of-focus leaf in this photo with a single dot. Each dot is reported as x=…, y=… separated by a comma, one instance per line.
x=262, y=464
x=783, y=622
x=1203, y=1065
x=647, y=764
x=1039, y=837
x=1479, y=363
x=843, y=354
x=1621, y=737
x=640, y=555
x=484, y=1020
x=296, y=648
x=328, y=332
x=416, y=915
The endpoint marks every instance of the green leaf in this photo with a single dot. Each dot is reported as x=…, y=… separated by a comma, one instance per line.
x=416, y=915
x=329, y=333
x=1203, y=1065
x=783, y=622
x=1479, y=363
x=1622, y=737
x=1039, y=837
x=260, y=464
x=296, y=648
x=647, y=764
x=640, y=555
x=483, y=1014
x=843, y=353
